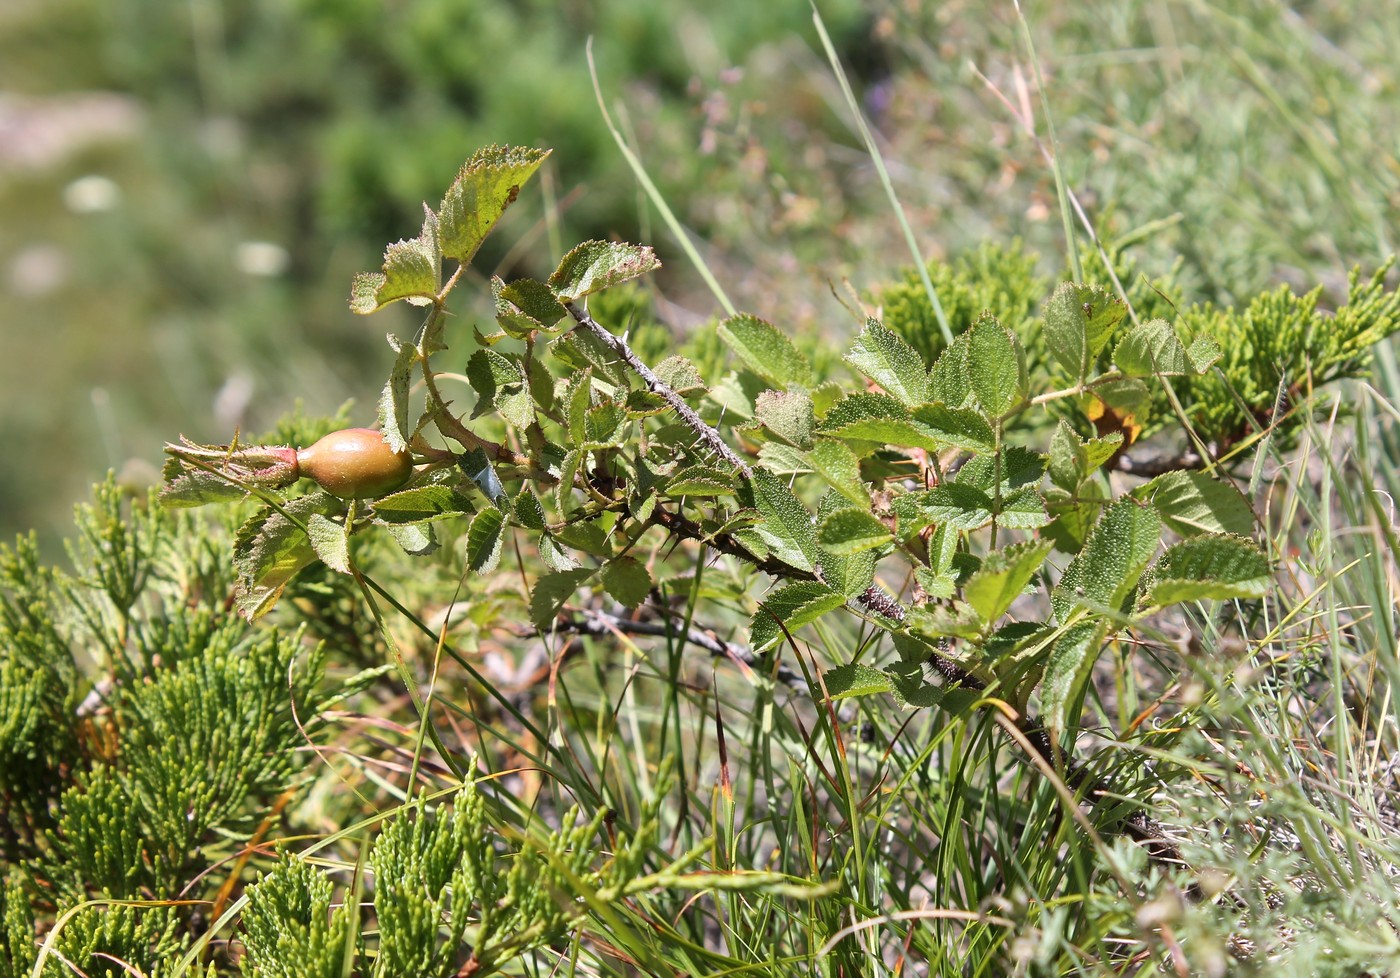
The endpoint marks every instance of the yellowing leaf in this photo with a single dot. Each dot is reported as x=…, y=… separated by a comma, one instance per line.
x=486, y=185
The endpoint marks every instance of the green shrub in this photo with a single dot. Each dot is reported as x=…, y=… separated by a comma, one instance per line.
x=942, y=521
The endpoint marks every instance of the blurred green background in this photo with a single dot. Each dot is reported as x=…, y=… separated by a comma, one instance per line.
x=187, y=188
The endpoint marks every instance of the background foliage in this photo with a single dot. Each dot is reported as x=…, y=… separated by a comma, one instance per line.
x=1261, y=137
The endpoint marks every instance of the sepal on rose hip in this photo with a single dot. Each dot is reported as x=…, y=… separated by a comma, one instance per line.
x=197, y=474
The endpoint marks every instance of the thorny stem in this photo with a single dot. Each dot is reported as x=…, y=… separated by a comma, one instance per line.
x=725, y=543
x=451, y=426
x=693, y=421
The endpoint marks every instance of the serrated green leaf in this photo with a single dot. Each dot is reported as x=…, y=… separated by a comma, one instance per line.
x=484, y=339
x=1073, y=516
x=942, y=621
x=1079, y=321
x=627, y=580
x=484, y=539
x=605, y=424
x=914, y=686
x=1107, y=570
x=1067, y=670
x=1018, y=467
x=787, y=525
x=890, y=362
x=851, y=530
x=962, y=428
x=1210, y=567
x=645, y=404
x=186, y=485
x=554, y=554
x=536, y=300
x=855, y=679
x=936, y=585
x=752, y=541
x=500, y=387
x=943, y=549
x=269, y=550
x=766, y=351
x=948, y=381
x=794, y=605
x=529, y=511
x=486, y=185
x=783, y=459
x=564, y=489
x=1003, y=576
x=416, y=539
x=526, y=306
x=995, y=367
x=597, y=265
x=1022, y=509
x=876, y=418
x=578, y=400
x=700, y=480
x=1151, y=348
x=881, y=420
x=838, y=465
x=1125, y=395
x=329, y=541
x=421, y=504
x=586, y=535
x=582, y=349
x=1193, y=502
x=552, y=592
x=1074, y=459
x=1203, y=352
x=412, y=271
x=850, y=574
x=393, y=401
x=541, y=384
x=679, y=374
x=960, y=506
x=787, y=414
x=735, y=393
